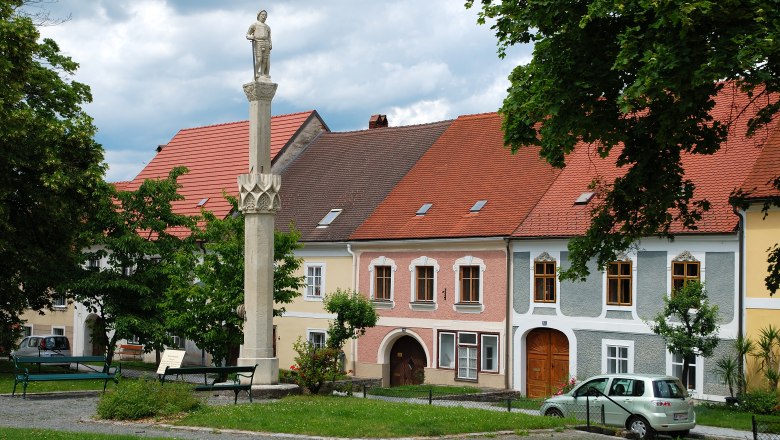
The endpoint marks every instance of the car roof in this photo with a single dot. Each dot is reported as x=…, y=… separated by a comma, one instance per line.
x=632, y=376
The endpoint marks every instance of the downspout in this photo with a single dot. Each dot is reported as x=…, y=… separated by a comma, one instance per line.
x=509, y=338
x=354, y=288
x=740, y=288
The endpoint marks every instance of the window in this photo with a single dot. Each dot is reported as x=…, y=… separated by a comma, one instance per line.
x=382, y=278
x=478, y=206
x=490, y=353
x=59, y=300
x=329, y=217
x=684, y=272
x=622, y=386
x=677, y=369
x=619, y=283
x=544, y=281
x=177, y=342
x=446, y=350
x=27, y=330
x=424, y=209
x=59, y=331
x=134, y=340
x=314, y=275
x=617, y=356
x=424, y=291
x=316, y=338
x=467, y=356
x=469, y=284
x=93, y=264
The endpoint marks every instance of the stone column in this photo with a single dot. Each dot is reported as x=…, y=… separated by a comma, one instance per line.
x=259, y=201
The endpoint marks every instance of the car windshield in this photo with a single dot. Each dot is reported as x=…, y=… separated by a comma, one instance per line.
x=669, y=388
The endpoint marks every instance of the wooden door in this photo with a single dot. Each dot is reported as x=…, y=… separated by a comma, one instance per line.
x=407, y=362
x=547, y=361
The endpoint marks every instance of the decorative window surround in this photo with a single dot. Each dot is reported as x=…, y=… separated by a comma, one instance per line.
x=627, y=344
x=59, y=302
x=545, y=269
x=674, y=362
x=476, y=307
x=314, y=291
x=317, y=337
x=382, y=261
x=684, y=268
x=423, y=305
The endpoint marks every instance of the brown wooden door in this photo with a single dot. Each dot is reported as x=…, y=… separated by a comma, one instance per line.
x=547, y=361
x=407, y=362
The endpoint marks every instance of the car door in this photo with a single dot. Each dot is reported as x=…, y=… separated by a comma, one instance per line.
x=620, y=405
x=589, y=395
x=29, y=346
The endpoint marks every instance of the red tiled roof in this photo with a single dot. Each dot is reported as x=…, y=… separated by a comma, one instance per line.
x=467, y=163
x=215, y=155
x=715, y=176
x=766, y=169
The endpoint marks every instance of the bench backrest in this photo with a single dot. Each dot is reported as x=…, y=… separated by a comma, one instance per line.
x=57, y=359
x=206, y=370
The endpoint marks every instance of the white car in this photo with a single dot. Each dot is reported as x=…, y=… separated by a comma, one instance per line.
x=47, y=346
x=639, y=402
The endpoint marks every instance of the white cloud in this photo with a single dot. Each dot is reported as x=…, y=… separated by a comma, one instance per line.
x=419, y=113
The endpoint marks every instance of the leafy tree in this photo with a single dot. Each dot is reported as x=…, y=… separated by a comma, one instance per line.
x=640, y=76
x=688, y=324
x=207, y=288
x=139, y=235
x=354, y=314
x=51, y=170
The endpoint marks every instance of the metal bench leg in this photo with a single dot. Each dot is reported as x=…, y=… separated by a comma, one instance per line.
x=235, y=400
x=14, y=392
x=249, y=391
x=24, y=394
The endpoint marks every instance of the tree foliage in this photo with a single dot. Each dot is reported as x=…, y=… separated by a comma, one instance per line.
x=354, y=314
x=207, y=287
x=139, y=236
x=636, y=79
x=50, y=167
x=688, y=324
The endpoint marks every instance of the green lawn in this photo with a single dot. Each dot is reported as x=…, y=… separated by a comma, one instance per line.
x=421, y=390
x=48, y=434
x=723, y=417
x=354, y=417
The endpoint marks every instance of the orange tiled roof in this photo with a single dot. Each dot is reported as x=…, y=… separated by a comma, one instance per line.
x=765, y=170
x=467, y=163
x=215, y=155
x=715, y=176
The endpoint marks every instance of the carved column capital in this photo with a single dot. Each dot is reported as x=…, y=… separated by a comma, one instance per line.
x=260, y=90
x=259, y=193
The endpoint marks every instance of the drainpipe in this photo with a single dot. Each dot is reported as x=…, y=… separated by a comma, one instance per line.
x=354, y=288
x=740, y=288
x=509, y=339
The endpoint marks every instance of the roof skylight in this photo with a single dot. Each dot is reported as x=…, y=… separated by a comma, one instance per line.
x=424, y=208
x=584, y=198
x=329, y=217
x=203, y=201
x=478, y=206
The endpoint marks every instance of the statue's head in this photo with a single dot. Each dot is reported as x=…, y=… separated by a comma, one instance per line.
x=262, y=15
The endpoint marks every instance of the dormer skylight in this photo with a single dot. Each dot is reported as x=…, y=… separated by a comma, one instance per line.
x=329, y=217
x=478, y=206
x=584, y=198
x=203, y=202
x=424, y=208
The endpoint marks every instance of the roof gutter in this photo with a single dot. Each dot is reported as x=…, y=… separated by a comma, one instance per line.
x=509, y=339
x=740, y=284
x=354, y=289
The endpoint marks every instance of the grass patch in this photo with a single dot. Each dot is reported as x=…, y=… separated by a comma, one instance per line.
x=146, y=398
x=48, y=434
x=723, y=417
x=526, y=403
x=421, y=390
x=352, y=417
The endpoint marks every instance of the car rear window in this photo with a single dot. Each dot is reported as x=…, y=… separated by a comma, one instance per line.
x=54, y=343
x=669, y=388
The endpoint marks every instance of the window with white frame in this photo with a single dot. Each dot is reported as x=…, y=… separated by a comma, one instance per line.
x=59, y=331
x=489, y=353
x=467, y=356
x=315, y=275
x=677, y=369
x=423, y=272
x=134, y=340
x=59, y=300
x=382, y=273
x=469, y=282
x=316, y=338
x=27, y=330
x=446, y=350
x=93, y=264
x=617, y=356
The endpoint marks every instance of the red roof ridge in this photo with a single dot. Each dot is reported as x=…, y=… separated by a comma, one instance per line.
x=479, y=115
x=244, y=121
x=396, y=127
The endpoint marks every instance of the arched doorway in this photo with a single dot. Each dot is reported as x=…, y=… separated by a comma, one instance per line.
x=547, y=360
x=92, y=345
x=407, y=362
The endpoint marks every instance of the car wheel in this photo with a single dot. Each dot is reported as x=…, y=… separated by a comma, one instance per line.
x=640, y=426
x=553, y=412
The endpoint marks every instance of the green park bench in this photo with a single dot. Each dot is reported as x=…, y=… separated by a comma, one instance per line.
x=212, y=374
x=84, y=371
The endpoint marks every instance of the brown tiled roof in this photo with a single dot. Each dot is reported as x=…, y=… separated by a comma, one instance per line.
x=468, y=163
x=352, y=171
x=765, y=170
x=215, y=155
x=715, y=176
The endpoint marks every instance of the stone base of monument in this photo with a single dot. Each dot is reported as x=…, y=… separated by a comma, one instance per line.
x=275, y=391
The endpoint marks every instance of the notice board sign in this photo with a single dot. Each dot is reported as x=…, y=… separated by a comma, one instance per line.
x=170, y=358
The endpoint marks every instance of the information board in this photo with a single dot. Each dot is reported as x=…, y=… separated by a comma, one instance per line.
x=170, y=358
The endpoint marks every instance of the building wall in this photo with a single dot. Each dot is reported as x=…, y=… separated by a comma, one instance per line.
x=59, y=317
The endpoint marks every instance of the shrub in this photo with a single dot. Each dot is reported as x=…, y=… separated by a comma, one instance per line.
x=314, y=365
x=759, y=402
x=137, y=399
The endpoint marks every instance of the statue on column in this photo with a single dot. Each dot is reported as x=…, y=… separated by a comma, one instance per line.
x=260, y=35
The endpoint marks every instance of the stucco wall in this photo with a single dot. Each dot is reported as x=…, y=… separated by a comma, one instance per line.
x=581, y=298
x=720, y=283
x=521, y=281
x=652, y=280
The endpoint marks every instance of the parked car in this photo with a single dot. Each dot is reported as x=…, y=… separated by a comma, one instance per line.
x=641, y=403
x=48, y=346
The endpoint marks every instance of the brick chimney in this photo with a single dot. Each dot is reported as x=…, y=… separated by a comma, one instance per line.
x=377, y=121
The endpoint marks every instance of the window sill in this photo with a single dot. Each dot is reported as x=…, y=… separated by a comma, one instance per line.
x=423, y=306
x=312, y=298
x=59, y=308
x=383, y=304
x=468, y=307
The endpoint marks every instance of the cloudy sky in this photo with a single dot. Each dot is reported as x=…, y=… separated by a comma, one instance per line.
x=158, y=66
